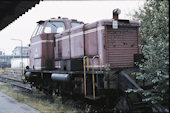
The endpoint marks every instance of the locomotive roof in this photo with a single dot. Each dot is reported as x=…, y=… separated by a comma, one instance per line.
x=103, y=21
x=59, y=19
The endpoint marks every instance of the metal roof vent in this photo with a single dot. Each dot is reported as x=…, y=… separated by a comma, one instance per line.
x=64, y=18
x=116, y=13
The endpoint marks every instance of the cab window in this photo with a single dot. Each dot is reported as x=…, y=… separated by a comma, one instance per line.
x=75, y=24
x=38, y=30
x=54, y=27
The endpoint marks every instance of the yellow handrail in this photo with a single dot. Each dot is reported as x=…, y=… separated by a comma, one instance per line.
x=84, y=63
x=93, y=79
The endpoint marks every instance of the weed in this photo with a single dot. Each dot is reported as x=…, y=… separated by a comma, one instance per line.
x=38, y=100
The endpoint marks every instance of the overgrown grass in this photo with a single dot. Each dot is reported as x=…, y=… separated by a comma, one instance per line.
x=1, y=71
x=38, y=100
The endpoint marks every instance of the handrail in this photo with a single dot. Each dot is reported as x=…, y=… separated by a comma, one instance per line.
x=84, y=63
x=93, y=79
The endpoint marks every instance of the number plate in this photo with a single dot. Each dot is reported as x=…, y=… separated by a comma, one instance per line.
x=115, y=24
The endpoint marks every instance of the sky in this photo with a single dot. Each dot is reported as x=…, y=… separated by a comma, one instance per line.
x=86, y=11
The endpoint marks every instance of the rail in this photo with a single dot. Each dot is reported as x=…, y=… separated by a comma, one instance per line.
x=17, y=83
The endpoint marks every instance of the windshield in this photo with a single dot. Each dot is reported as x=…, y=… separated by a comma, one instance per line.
x=38, y=29
x=54, y=27
x=75, y=24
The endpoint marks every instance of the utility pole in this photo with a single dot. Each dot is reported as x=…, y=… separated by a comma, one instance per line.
x=3, y=53
x=22, y=69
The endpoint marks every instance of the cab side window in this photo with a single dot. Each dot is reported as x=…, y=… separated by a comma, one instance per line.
x=38, y=30
x=75, y=24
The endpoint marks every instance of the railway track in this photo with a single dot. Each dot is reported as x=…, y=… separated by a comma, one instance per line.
x=83, y=104
x=17, y=83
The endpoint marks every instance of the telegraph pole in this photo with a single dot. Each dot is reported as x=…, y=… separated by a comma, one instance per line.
x=3, y=53
x=22, y=68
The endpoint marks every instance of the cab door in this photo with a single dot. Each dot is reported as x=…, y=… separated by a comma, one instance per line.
x=36, y=47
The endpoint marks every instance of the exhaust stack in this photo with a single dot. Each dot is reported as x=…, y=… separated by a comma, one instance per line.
x=116, y=13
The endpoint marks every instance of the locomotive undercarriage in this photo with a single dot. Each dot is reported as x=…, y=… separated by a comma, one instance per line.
x=73, y=85
x=108, y=85
x=105, y=87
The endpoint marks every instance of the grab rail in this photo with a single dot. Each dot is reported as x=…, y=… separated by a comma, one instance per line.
x=84, y=63
x=93, y=79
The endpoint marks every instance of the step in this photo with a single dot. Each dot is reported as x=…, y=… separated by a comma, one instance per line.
x=90, y=97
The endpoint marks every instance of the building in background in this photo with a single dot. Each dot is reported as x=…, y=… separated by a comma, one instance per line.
x=16, y=63
x=14, y=60
x=17, y=51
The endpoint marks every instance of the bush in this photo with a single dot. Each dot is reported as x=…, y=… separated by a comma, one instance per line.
x=154, y=19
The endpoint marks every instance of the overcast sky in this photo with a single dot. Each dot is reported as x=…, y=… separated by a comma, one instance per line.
x=86, y=11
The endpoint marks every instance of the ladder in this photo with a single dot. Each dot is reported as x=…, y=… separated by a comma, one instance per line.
x=86, y=61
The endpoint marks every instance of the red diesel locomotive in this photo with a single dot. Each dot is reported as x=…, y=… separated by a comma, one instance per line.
x=70, y=57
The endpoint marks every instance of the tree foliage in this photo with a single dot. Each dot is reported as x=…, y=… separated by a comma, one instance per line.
x=154, y=19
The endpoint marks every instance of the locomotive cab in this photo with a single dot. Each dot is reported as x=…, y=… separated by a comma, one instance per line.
x=43, y=41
